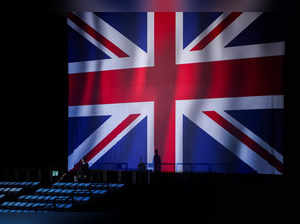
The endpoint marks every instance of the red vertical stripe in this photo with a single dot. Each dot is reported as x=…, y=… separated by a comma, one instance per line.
x=164, y=79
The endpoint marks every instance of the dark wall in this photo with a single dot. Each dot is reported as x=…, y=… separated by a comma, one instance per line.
x=34, y=90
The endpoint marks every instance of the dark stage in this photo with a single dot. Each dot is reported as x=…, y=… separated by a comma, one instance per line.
x=35, y=123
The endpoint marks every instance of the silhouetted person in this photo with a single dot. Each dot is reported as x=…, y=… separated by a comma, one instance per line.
x=156, y=162
x=141, y=165
x=141, y=174
x=83, y=170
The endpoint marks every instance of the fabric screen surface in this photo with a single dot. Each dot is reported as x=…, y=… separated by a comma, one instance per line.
x=204, y=89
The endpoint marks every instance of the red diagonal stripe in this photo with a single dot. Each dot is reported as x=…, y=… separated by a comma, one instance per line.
x=108, y=44
x=245, y=139
x=114, y=133
x=216, y=31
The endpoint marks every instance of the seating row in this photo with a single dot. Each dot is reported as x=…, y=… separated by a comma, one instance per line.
x=7, y=189
x=19, y=184
x=55, y=198
x=86, y=185
x=34, y=205
x=57, y=191
x=115, y=185
x=78, y=185
x=22, y=211
x=44, y=198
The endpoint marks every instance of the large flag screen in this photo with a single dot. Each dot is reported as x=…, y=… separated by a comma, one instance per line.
x=203, y=89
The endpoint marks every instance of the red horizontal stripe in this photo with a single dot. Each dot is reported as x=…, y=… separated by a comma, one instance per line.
x=114, y=133
x=216, y=31
x=108, y=44
x=245, y=139
x=234, y=78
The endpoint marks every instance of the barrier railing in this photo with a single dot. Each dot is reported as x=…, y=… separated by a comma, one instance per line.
x=113, y=166
x=193, y=167
x=121, y=172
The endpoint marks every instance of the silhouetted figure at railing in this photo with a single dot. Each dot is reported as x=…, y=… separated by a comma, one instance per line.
x=83, y=171
x=141, y=165
x=141, y=174
x=156, y=162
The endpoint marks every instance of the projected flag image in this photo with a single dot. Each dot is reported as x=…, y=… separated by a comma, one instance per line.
x=203, y=89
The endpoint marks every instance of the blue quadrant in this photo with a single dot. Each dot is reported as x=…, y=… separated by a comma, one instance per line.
x=132, y=25
x=268, y=124
x=80, y=49
x=268, y=27
x=195, y=23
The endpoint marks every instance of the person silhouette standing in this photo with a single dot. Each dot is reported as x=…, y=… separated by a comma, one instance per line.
x=141, y=165
x=156, y=162
x=83, y=171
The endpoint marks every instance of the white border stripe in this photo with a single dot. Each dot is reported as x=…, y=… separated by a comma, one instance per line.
x=179, y=135
x=237, y=103
x=109, y=109
x=150, y=38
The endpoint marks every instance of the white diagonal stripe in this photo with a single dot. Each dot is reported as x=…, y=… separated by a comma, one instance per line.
x=94, y=139
x=216, y=50
x=90, y=39
x=111, y=34
x=234, y=29
x=188, y=108
x=206, y=31
x=253, y=136
x=233, y=144
x=116, y=139
x=137, y=57
x=118, y=113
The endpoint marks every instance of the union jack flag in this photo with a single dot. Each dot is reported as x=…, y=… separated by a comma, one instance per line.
x=205, y=89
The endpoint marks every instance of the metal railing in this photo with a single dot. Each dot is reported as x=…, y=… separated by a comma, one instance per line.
x=113, y=166
x=196, y=167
